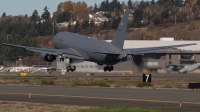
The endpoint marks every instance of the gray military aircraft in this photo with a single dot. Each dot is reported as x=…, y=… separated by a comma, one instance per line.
x=182, y=68
x=78, y=47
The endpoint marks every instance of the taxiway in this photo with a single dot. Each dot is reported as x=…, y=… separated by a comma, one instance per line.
x=154, y=98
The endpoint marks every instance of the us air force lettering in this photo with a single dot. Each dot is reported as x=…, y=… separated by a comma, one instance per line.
x=78, y=47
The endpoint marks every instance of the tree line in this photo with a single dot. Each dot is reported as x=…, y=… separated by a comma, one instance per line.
x=22, y=30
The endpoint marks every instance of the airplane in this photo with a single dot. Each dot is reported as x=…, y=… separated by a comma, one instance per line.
x=182, y=68
x=78, y=47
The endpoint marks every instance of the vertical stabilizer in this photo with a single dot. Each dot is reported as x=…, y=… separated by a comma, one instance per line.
x=119, y=37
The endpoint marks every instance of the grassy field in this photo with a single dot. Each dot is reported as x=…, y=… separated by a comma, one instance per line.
x=11, y=106
x=114, y=83
x=122, y=109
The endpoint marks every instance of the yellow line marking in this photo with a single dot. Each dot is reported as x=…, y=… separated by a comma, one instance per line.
x=102, y=98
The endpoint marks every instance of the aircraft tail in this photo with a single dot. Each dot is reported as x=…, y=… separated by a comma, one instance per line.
x=119, y=37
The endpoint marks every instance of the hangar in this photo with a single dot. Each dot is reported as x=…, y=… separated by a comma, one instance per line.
x=153, y=61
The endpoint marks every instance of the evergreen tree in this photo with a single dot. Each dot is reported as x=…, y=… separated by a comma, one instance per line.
x=198, y=3
x=103, y=6
x=142, y=5
x=3, y=15
x=130, y=5
x=85, y=24
x=138, y=16
x=59, y=18
x=107, y=6
x=95, y=7
x=152, y=2
x=92, y=23
x=66, y=16
x=116, y=22
x=26, y=16
x=35, y=17
x=46, y=14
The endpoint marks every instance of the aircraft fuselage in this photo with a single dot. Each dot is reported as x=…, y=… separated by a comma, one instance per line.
x=92, y=49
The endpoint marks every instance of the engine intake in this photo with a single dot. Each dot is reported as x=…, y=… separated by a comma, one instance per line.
x=48, y=57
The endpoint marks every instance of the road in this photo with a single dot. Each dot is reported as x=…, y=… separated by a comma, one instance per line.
x=156, y=98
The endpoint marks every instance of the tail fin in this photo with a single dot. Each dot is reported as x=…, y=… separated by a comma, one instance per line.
x=119, y=37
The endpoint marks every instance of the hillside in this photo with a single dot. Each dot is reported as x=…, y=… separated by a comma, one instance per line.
x=148, y=20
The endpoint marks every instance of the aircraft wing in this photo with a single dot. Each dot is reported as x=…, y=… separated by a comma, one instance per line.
x=70, y=53
x=140, y=51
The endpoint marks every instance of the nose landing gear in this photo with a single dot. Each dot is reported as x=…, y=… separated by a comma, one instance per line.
x=108, y=68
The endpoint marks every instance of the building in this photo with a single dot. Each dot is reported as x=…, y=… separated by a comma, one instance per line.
x=157, y=61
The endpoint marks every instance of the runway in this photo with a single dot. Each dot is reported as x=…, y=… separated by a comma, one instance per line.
x=156, y=98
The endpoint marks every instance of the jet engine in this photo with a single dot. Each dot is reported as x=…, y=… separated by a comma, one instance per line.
x=48, y=57
x=137, y=59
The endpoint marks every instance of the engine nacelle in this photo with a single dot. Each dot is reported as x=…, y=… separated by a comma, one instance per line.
x=48, y=57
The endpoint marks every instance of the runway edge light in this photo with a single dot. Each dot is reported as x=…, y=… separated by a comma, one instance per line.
x=29, y=95
x=180, y=104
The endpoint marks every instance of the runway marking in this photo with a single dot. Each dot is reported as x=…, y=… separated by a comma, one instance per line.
x=102, y=98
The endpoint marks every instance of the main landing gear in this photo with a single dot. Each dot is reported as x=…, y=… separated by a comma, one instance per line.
x=71, y=68
x=108, y=68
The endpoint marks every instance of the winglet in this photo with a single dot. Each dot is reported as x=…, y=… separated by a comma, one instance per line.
x=119, y=37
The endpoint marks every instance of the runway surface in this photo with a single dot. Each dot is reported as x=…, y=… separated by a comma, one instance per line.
x=156, y=98
x=102, y=75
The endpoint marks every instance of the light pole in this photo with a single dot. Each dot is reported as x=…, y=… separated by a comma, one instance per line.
x=175, y=28
x=53, y=28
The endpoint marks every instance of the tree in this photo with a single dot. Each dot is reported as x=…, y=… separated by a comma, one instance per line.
x=198, y=3
x=65, y=16
x=46, y=14
x=76, y=27
x=108, y=15
x=26, y=16
x=107, y=5
x=138, y=17
x=152, y=2
x=103, y=6
x=116, y=22
x=189, y=4
x=165, y=14
x=142, y=5
x=35, y=17
x=3, y=15
x=130, y=5
x=59, y=18
x=85, y=24
x=92, y=23
x=95, y=7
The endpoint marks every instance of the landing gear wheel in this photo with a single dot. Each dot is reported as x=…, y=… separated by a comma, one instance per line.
x=70, y=68
x=73, y=68
x=109, y=68
x=104, y=69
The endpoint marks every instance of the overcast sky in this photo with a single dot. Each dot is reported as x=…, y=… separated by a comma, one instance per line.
x=22, y=7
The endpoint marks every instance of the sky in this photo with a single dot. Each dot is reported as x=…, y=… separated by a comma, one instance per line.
x=22, y=7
